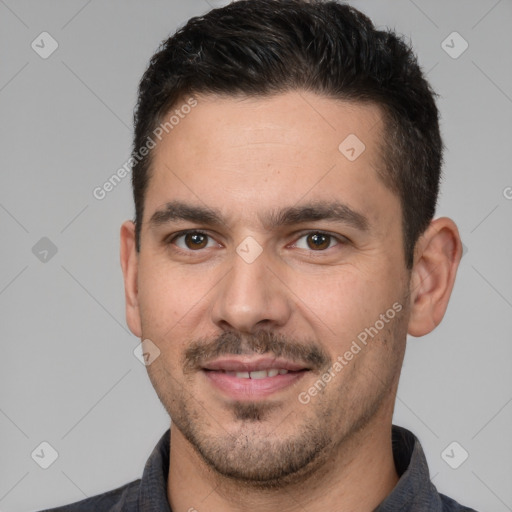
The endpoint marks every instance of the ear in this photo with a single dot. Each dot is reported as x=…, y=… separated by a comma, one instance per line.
x=129, y=264
x=436, y=259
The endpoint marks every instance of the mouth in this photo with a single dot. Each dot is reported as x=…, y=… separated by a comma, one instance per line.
x=249, y=378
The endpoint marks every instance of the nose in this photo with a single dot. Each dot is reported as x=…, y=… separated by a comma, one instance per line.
x=251, y=296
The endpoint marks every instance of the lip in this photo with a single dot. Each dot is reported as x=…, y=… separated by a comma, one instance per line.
x=237, y=388
x=252, y=364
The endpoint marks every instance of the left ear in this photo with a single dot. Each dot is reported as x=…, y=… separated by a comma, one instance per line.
x=436, y=259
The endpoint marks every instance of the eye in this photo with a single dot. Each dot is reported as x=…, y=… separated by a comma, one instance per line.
x=316, y=241
x=193, y=240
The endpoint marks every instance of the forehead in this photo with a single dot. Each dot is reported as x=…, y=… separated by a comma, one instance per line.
x=258, y=152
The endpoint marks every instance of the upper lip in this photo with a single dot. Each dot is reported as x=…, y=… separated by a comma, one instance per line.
x=252, y=364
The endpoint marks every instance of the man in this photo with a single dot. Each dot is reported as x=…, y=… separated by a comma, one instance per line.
x=286, y=167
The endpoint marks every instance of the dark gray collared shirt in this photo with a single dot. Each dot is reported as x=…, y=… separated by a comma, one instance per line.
x=414, y=491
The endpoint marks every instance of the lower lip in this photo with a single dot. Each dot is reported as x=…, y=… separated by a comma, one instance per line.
x=250, y=389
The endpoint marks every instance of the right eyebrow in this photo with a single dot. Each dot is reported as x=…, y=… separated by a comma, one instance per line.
x=177, y=210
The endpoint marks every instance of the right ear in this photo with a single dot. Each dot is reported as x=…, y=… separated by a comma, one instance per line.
x=129, y=264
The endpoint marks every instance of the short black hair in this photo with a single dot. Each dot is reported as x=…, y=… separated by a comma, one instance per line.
x=263, y=47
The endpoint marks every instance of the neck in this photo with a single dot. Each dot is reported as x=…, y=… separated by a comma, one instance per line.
x=357, y=477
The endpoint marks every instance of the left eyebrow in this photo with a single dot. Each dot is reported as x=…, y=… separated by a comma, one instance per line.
x=316, y=211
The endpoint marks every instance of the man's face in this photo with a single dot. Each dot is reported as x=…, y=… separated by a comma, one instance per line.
x=294, y=250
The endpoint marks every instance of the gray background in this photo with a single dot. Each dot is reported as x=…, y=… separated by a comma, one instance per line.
x=68, y=373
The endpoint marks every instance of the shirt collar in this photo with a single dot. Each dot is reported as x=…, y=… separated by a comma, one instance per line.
x=414, y=490
x=153, y=486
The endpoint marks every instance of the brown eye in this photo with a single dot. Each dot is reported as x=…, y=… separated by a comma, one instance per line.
x=196, y=240
x=318, y=241
x=193, y=241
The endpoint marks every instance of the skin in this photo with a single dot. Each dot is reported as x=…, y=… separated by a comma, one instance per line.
x=248, y=158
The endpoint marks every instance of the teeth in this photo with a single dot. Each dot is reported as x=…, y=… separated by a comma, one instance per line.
x=260, y=374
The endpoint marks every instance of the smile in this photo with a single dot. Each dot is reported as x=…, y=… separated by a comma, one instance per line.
x=249, y=378
x=260, y=374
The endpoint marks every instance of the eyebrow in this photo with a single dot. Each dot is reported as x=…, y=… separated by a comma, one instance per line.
x=315, y=211
x=311, y=212
x=177, y=210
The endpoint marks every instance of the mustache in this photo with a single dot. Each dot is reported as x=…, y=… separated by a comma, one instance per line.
x=201, y=351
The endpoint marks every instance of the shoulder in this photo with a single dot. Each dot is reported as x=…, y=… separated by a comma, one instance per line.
x=450, y=505
x=115, y=500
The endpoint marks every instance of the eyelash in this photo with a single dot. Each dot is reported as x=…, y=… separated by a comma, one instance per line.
x=341, y=240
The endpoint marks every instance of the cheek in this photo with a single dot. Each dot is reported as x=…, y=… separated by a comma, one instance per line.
x=158, y=305
x=344, y=303
x=171, y=300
